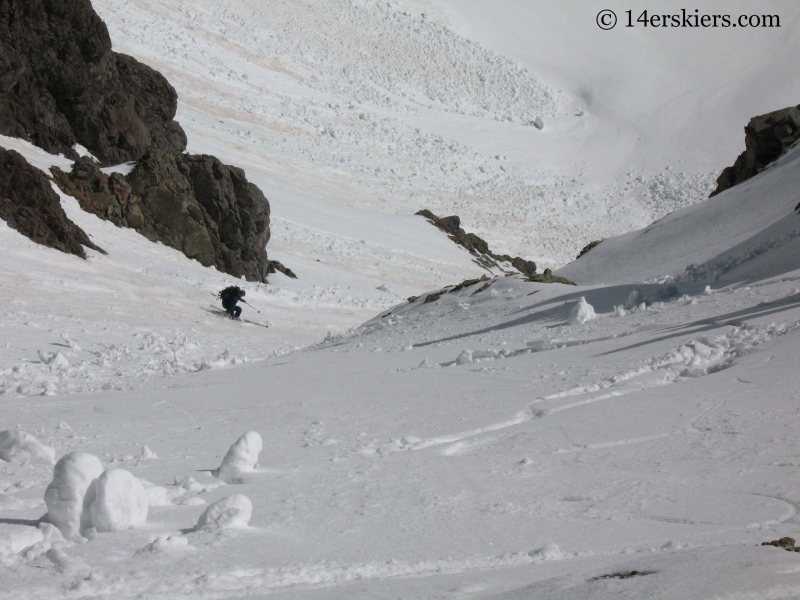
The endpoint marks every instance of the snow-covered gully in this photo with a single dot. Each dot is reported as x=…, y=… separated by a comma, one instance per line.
x=632, y=436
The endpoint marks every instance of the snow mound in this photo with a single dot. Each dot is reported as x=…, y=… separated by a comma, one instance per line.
x=72, y=476
x=581, y=313
x=18, y=445
x=233, y=512
x=116, y=501
x=15, y=538
x=241, y=458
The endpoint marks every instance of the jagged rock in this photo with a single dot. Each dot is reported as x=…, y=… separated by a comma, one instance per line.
x=476, y=246
x=588, y=247
x=766, y=138
x=60, y=84
x=29, y=205
x=548, y=277
x=193, y=203
x=433, y=297
x=275, y=265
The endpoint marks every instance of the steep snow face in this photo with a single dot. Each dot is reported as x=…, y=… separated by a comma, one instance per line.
x=368, y=106
x=664, y=96
x=749, y=231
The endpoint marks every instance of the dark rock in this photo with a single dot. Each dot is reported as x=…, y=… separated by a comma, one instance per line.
x=623, y=575
x=60, y=84
x=433, y=297
x=786, y=543
x=29, y=205
x=275, y=265
x=766, y=138
x=588, y=247
x=548, y=277
x=477, y=246
x=193, y=203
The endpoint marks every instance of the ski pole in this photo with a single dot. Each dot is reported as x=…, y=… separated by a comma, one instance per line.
x=250, y=305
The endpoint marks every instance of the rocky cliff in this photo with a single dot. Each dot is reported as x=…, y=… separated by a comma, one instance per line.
x=193, y=203
x=62, y=85
x=766, y=138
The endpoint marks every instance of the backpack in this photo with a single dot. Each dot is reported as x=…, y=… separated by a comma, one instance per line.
x=229, y=292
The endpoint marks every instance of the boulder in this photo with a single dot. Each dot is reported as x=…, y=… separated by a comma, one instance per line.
x=30, y=205
x=61, y=85
x=766, y=138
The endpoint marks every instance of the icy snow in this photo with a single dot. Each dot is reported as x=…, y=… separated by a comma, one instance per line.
x=660, y=437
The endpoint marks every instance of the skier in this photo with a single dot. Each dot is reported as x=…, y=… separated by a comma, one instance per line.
x=230, y=296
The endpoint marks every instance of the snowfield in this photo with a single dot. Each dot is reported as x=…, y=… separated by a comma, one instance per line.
x=634, y=436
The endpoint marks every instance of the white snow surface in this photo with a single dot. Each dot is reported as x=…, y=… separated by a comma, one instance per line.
x=479, y=446
x=17, y=445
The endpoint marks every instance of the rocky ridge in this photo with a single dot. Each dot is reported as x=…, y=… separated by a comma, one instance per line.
x=766, y=138
x=478, y=247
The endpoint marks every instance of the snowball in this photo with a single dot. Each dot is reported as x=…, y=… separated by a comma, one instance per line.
x=233, y=512
x=241, y=458
x=116, y=501
x=15, y=538
x=464, y=358
x=538, y=122
x=581, y=312
x=16, y=444
x=72, y=476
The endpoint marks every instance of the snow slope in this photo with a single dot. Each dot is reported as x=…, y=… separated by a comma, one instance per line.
x=749, y=231
x=485, y=445
x=367, y=105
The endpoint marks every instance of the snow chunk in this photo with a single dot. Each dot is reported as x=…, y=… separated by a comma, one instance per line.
x=538, y=122
x=241, y=458
x=581, y=312
x=72, y=476
x=147, y=454
x=233, y=512
x=464, y=358
x=16, y=445
x=116, y=501
x=15, y=538
x=168, y=542
x=548, y=552
x=55, y=360
x=634, y=300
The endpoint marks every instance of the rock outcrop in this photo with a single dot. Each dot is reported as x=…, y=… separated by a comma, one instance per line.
x=587, y=247
x=61, y=85
x=766, y=138
x=29, y=205
x=193, y=203
x=478, y=247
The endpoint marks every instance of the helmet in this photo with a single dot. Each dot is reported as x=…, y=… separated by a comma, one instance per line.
x=241, y=293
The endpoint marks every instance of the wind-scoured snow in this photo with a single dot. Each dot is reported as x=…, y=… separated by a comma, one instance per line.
x=489, y=444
